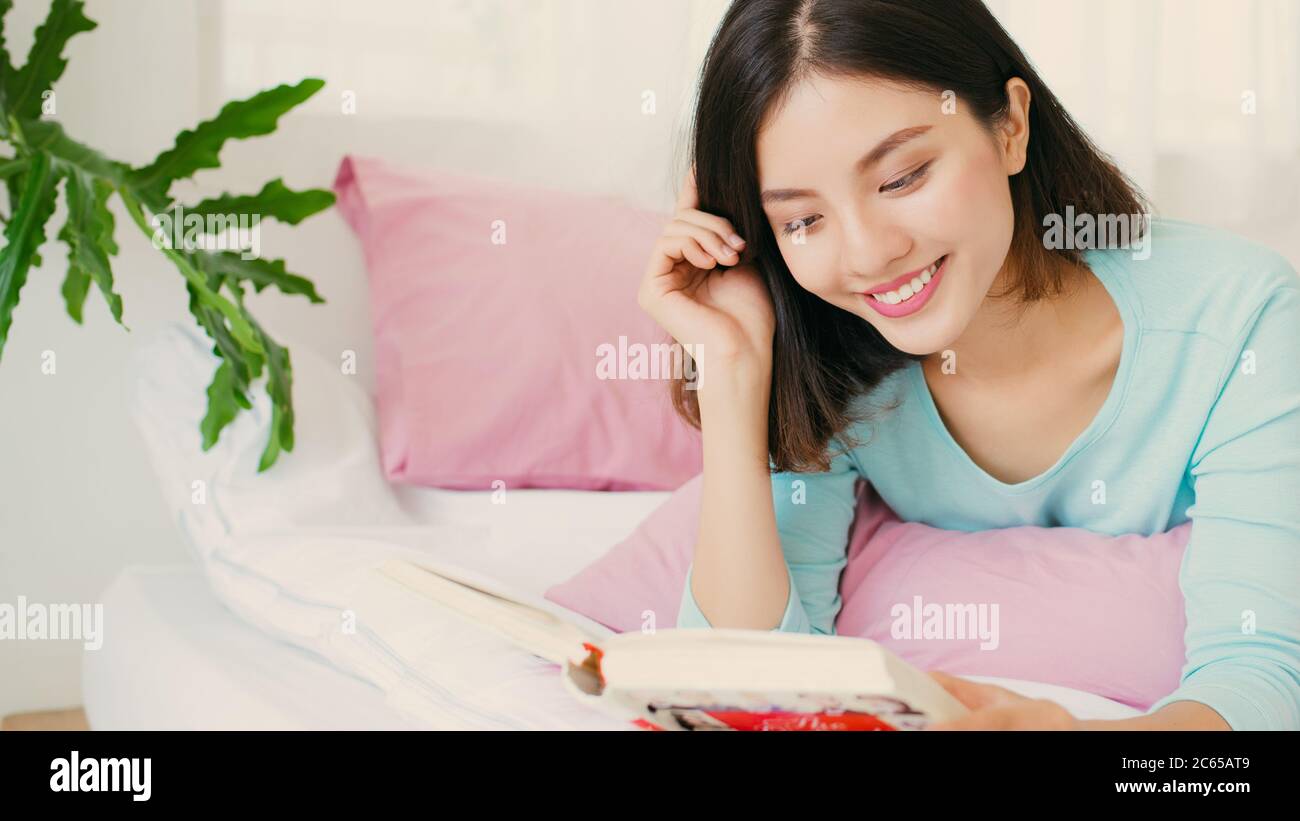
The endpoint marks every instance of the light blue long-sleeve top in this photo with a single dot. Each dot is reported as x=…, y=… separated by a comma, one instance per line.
x=1202, y=423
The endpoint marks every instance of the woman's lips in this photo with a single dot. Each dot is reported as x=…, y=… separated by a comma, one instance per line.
x=913, y=303
x=895, y=284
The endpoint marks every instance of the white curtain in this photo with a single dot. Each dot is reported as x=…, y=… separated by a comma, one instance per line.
x=1198, y=100
x=598, y=91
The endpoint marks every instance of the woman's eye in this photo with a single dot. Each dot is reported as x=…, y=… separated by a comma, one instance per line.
x=904, y=182
x=889, y=188
x=803, y=222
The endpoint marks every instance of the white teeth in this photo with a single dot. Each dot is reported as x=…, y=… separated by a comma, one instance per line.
x=910, y=289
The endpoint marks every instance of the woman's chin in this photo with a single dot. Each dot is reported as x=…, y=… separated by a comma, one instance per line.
x=920, y=337
x=917, y=347
x=935, y=328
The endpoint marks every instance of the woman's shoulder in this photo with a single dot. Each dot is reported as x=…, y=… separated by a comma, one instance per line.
x=1193, y=278
x=884, y=406
x=888, y=394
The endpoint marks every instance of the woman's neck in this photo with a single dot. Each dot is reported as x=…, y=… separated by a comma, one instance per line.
x=1007, y=340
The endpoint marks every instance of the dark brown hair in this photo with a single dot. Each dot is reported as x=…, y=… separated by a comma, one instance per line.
x=823, y=356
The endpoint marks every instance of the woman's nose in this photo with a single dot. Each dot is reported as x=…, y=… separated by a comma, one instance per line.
x=868, y=247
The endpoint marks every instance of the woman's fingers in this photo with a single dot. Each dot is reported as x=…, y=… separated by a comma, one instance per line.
x=696, y=254
x=688, y=205
x=974, y=694
x=666, y=295
x=676, y=288
x=707, y=239
x=1023, y=714
x=725, y=231
x=672, y=250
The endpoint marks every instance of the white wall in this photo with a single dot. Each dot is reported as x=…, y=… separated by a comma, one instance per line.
x=78, y=500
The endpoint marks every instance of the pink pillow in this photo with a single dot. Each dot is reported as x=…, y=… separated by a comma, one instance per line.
x=1102, y=614
x=486, y=350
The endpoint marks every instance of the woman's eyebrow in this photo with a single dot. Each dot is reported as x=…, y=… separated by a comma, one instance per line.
x=870, y=159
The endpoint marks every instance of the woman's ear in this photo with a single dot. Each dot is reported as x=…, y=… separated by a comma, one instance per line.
x=1013, y=134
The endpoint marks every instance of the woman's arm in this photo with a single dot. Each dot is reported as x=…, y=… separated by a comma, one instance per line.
x=1178, y=715
x=998, y=708
x=1241, y=573
x=738, y=577
x=771, y=548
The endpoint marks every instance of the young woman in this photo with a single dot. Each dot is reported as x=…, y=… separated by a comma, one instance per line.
x=896, y=170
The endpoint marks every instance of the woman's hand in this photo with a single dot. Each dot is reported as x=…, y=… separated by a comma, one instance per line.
x=726, y=310
x=997, y=708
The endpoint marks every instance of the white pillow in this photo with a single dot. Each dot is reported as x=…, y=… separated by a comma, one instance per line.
x=332, y=477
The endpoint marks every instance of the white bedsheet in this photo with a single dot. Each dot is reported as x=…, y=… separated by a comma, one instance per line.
x=305, y=585
x=165, y=665
x=174, y=658
x=292, y=552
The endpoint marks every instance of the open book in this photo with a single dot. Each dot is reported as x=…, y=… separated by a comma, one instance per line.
x=709, y=679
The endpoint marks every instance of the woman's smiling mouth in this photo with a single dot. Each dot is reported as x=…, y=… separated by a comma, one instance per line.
x=908, y=296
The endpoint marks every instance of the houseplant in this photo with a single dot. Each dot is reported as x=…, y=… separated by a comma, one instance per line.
x=44, y=159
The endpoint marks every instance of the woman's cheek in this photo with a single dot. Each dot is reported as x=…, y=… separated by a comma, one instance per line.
x=988, y=189
x=811, y=283
x=960, y=206
x=813, y=273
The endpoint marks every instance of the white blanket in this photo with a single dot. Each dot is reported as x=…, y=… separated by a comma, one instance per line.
x=293, y=550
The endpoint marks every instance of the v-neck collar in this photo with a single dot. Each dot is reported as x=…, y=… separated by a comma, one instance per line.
x=1109, y=269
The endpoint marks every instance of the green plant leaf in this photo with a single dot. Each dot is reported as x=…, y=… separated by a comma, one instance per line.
x=224, y=401
x=199, y=148
x=272, y=451
x=44, y=154
x=246, y=365
x=260, y=272
x=6, y=64
x=279, y=384
x=23, y=235
x=9, y=168
x=45, y=63
x=76, y=284
x=88, y=233
x=275, y=201
x=232, y=381
x=49, y=136
x=240, y=328
x=14, y=186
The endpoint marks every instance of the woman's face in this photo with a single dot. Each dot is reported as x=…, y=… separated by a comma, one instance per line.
x=851, y=221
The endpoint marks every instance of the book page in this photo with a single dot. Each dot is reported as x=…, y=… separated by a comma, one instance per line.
x=532, y=625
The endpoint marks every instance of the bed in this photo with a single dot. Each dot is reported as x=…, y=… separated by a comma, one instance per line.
x=175, y=657
x=248, y=633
